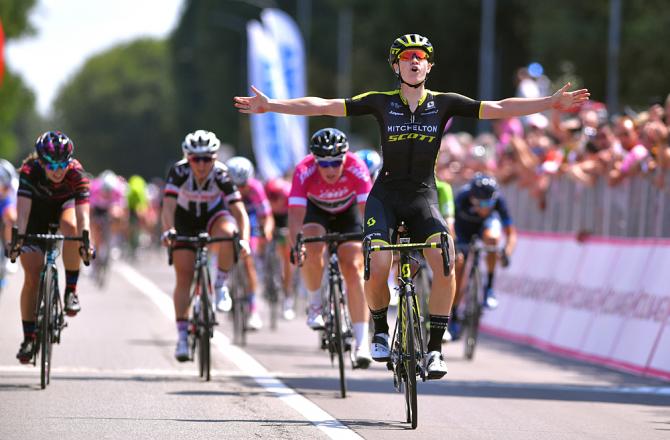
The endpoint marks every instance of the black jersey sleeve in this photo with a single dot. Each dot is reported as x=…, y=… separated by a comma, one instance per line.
x=230, y=192
x=175, y=179
x=364, y=104
x=459, y=105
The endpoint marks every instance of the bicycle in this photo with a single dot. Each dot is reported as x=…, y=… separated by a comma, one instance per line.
x=102, y=262
x=239, y=287
x=272, y=280
x=336, y=336
x=49, y=314
x=408, y=349
x=473, y=296
x=202, y=318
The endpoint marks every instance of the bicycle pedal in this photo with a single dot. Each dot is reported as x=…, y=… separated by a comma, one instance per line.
x=389, y=366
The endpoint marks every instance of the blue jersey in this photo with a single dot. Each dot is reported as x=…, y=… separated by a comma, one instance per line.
x=468, y=222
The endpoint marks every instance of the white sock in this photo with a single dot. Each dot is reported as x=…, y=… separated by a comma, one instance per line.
x=361, y=334
x=314, y=297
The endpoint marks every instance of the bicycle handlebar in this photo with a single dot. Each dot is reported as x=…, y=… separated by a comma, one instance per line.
x=84, y=239
x=202, y=240
x=332, y=237
x=443, y=245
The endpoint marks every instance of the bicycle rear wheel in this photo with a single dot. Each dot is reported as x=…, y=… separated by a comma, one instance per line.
x=336, y=336
x=410, y=360
x=473, y=312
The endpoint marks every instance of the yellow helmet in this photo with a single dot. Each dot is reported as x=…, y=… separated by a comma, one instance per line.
x=410, y=41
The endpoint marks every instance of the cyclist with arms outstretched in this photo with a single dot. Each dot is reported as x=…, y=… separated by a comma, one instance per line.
x=411, y=121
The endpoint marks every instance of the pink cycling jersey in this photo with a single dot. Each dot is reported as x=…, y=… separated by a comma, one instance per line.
x=255, y=200
x=278, y=191
x=106, y=199
x=352, y=187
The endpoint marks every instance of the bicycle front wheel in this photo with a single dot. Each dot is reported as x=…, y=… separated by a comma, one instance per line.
x=337, y=336
x=410, y=357
x=206, y=328
x=47, y=293
x=473, y=313
x=238, y=293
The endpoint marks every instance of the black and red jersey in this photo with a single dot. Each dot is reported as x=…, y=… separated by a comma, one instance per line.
x=34, y=184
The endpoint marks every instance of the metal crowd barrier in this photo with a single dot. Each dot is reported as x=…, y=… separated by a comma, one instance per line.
x=634, y=208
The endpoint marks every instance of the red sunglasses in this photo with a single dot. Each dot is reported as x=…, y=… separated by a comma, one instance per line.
x=409, y=55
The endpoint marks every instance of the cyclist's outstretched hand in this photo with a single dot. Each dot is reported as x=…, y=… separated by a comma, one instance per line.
x=252, y=104
x=564, y=100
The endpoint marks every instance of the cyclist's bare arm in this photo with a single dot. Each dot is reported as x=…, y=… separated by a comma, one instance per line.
x=268, y=226
x=306, y=106
x=23, y=206
x=510, y=107
x=167, y=214
x=296, y=215
x=240, y=215
x=510, y=243
x=83, y=217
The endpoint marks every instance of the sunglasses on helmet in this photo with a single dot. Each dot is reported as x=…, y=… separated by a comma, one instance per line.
x=330, y=163
x=203, y=159
x=409, y=55
x=55, y=166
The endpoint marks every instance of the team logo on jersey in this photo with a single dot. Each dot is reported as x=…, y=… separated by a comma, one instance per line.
x=405, y=136
x=371, y=222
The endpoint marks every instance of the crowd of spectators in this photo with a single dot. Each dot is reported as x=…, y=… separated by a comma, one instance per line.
x=586, y=144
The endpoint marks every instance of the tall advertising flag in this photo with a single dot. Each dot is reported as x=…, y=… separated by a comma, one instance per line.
x=268, y=130
x=286, y=34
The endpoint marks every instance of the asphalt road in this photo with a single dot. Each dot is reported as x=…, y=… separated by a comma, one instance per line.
x=114, y=377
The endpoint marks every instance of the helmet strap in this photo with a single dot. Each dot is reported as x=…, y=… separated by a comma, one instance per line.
x=414, y=86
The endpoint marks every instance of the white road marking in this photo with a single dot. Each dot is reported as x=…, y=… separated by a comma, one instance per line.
x=248, y=366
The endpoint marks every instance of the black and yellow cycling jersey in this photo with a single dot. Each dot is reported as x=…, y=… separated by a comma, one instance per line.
x=411, y=140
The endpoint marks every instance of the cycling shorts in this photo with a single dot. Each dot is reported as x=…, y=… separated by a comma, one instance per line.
x=42, y=214
x=186, y=223
x=416, y=204
x=343, y=222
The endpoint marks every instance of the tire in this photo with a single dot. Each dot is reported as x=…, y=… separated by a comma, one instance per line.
x=272, y=285
x=473, y=312
x=337, y=336
x=206, y=327
x=47, y=292
x=411, y=407
x=238, y=289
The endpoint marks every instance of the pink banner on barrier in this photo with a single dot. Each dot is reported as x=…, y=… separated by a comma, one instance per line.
x=600, y=300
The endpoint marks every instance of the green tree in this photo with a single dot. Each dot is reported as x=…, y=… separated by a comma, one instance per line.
x=119, y=110
x=18, y=117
